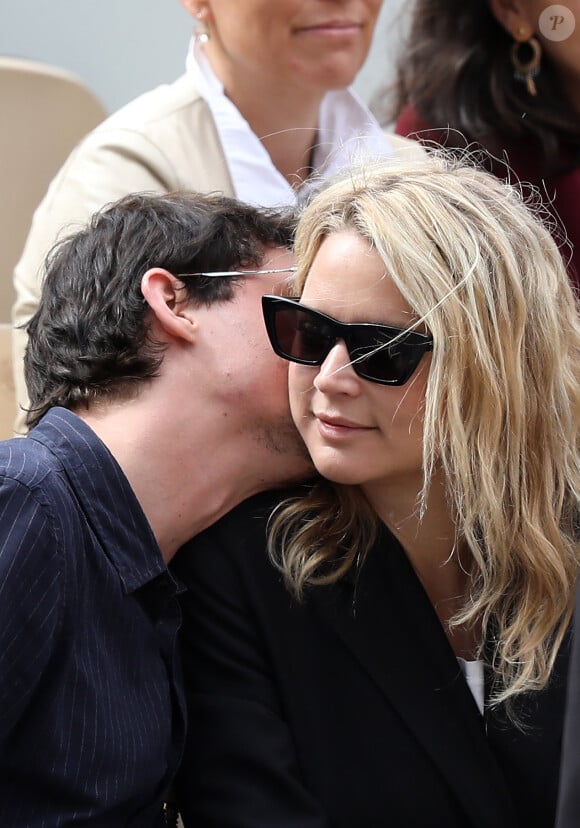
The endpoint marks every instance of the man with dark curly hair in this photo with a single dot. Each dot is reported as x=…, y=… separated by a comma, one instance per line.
x=156, y=406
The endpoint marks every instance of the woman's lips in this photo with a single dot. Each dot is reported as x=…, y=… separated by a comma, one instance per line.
x=338, y=427
x=331, y=28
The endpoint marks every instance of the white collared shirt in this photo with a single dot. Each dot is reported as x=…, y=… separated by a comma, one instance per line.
x=347, y=132
x=474, y=676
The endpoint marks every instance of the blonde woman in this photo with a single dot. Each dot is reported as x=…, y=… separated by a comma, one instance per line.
x=401, y=658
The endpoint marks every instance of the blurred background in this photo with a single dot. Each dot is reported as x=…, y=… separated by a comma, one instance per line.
x=121, y=48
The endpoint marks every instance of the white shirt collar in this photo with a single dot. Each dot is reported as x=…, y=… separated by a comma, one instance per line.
x=347, y=132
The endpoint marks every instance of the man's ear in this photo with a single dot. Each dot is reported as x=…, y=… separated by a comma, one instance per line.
x=164, y=295
x=514, y=16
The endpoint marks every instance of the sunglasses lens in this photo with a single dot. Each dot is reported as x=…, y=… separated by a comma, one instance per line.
x=302, y=337
x=380, y=361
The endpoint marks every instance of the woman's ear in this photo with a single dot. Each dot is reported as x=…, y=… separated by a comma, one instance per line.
x=514, y=16
x=164, y=295
x=192, y=6
x=199, y=9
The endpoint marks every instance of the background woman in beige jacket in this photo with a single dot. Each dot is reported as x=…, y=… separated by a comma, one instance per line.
x=263, y=106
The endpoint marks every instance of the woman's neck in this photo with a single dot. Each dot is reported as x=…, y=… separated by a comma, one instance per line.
x=291, y=153
x=284, y=119
x=440, y=561
x=442, y=565
x=288, y=132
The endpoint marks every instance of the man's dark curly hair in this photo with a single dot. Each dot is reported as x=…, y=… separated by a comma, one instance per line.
x=90, y=336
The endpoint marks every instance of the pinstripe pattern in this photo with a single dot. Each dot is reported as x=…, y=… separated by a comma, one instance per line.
x=91, y=713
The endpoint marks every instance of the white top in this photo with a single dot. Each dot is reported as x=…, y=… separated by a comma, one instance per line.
x=473, y=672
x=347, y=132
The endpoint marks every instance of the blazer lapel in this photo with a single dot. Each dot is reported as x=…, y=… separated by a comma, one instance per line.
x=386, y=619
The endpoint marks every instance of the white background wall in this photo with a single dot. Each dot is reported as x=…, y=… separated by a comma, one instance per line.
x=123, y=47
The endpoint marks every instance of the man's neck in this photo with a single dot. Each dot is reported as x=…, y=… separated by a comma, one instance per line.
x=184, y=488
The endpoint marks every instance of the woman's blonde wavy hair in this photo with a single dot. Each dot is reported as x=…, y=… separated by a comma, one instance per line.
x=502, y=404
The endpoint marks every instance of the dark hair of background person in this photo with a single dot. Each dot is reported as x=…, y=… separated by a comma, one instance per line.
x=90, y=338
x=456, y=70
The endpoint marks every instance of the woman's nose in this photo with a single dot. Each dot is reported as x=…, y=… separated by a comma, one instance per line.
x=336, y=374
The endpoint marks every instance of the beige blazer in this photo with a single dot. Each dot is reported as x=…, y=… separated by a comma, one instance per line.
x=163, y=141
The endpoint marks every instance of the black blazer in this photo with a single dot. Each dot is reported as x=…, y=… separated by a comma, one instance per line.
x=569, y=804
x=348, y=710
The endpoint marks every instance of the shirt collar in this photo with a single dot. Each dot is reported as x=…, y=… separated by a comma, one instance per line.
x=104, y=495
x=348, y=133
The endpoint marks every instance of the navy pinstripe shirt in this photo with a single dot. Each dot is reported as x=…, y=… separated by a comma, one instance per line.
x=91, y=707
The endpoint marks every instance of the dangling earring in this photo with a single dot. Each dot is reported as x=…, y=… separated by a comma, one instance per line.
x=527, y=70
x=201, y=32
